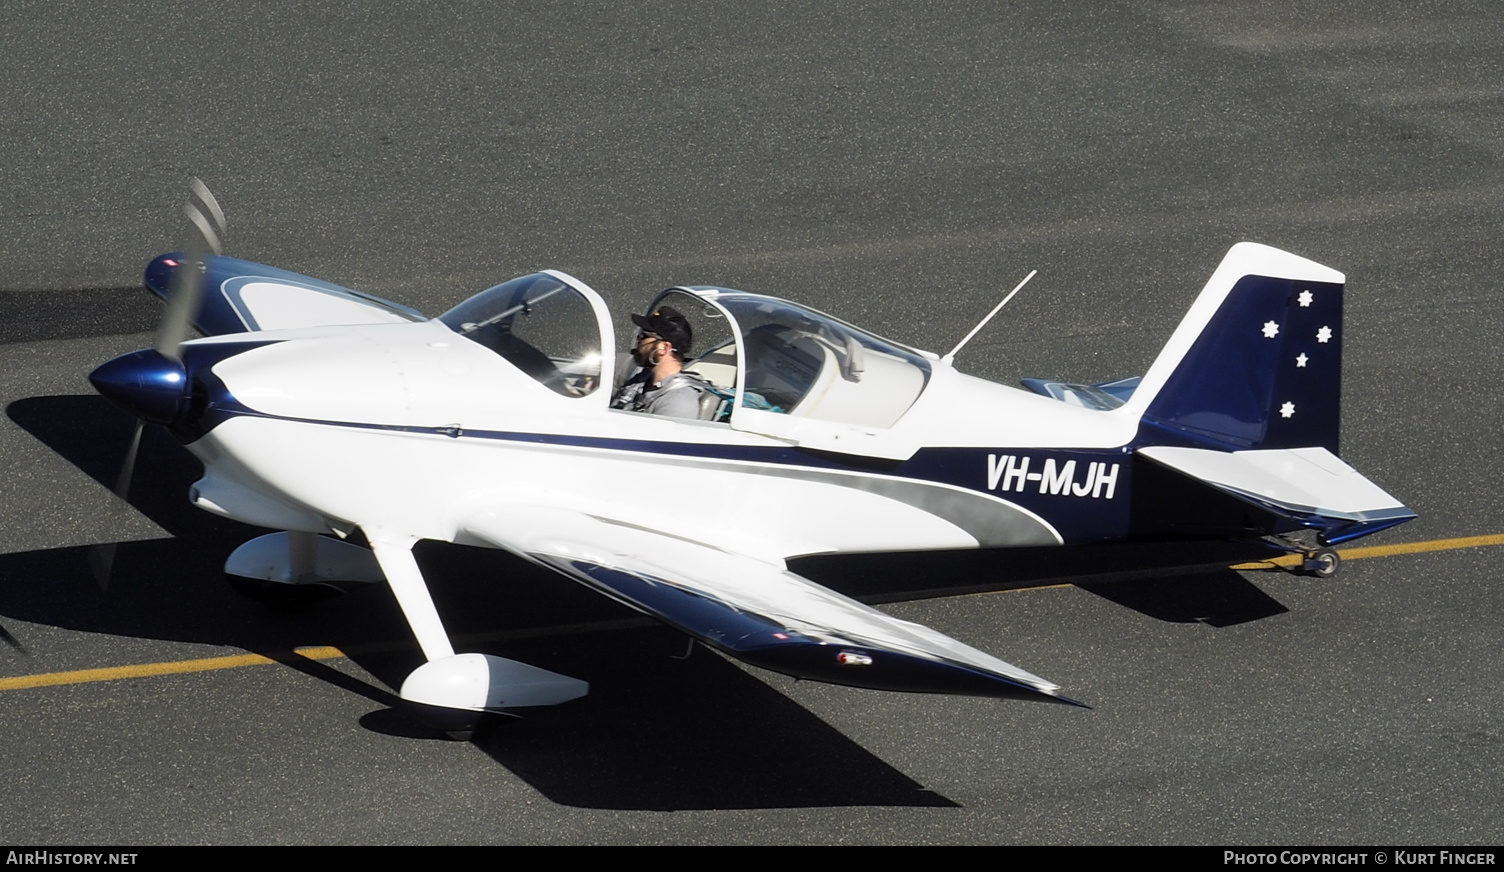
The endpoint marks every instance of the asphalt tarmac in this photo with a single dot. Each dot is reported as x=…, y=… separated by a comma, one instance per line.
x=898, y=165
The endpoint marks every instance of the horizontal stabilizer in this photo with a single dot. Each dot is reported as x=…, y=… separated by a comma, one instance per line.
x=755, y=611
x=1309, y=485
x=1103, y=397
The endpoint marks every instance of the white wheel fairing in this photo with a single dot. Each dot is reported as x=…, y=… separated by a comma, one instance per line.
x=483, y=682
x=271, y=558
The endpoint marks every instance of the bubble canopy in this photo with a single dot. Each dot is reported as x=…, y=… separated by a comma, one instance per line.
x=763, y=354
x=544, y=324
x=789, y=360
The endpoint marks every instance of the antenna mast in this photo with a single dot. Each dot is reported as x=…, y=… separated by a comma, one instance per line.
x=995, y=309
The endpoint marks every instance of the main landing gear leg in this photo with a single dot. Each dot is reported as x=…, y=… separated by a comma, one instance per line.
x=459, y=693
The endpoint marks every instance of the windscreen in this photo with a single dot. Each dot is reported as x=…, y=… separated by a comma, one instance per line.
x=541, y=325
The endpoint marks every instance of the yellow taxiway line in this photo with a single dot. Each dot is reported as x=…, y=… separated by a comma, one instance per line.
x=235, y=661
x=174, y=667
x=1385, y=550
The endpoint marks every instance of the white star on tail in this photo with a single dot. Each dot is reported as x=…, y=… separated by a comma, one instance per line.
x=1287, y=410
x=1324, y=334
x=1305, y=298
x=1300, y=360
x=1271, y=330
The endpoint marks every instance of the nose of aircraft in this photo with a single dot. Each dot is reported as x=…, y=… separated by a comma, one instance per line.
x=146, y=383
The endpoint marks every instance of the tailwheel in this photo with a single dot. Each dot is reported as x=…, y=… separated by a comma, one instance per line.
x=1321, y=563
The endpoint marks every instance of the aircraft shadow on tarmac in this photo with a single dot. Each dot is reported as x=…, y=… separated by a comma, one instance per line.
x=657, y=732
x=35, y=315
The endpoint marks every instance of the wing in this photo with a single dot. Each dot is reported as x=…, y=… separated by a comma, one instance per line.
x=242, y=297
x=1311, y=486
x=755, y=611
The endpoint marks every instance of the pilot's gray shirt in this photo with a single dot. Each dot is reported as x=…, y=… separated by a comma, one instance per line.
x=677, y=396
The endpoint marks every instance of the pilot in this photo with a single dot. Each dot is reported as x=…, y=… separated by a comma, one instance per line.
x=661, y=386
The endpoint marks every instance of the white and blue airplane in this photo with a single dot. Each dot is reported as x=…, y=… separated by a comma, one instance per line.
x=320, y=411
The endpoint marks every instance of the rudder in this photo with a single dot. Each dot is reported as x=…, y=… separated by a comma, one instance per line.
x=1257, y=362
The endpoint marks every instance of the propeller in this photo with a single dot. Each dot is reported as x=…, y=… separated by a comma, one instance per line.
x=188, y=283
x=208, y=219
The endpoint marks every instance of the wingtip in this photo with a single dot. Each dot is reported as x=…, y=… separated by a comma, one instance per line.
x=1043, y=693
x=1055, y=697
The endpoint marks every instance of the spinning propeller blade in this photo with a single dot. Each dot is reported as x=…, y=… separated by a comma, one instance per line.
x=188, y=281
x=205, y=196
x=102, y=557
x=187, y=295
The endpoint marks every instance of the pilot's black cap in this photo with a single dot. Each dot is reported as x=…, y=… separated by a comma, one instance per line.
x=666, y=323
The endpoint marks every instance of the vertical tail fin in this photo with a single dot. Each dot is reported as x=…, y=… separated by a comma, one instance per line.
x=1257, y=361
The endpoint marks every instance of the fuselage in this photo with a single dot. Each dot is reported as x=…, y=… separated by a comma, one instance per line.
x=818, y=437
x=417, y=426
